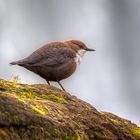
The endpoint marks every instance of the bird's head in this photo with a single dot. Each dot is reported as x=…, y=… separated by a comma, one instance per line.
x=79, y=46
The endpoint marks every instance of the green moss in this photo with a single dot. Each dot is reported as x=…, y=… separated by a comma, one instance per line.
x=136, y=131
x=10, y=87
x=67, y=137
x=77, y=135
x=29, y=92
x=22, y=100
x=42, y=110
x=26, y=94
x=54, y=98
x=14, y=118
x=114, y=121
x=32, y=95
x=125, y=122
x=14, y=86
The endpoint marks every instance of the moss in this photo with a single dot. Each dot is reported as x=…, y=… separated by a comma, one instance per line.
x=27, y=95
x=13, y=87
x=57, y=131
x=67, y=137
x=29, y=92
x=54, y=98
x=6, y=84
x=77, y=135
x=42, y=110
x=24, y=95
x=125, y=122
x=14, y=118
x=115, y=121
x=22, y=100
x=119, y=121
x=10, y=87
x=136, y=131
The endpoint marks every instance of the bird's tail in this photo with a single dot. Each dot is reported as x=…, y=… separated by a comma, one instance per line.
x=16, y=62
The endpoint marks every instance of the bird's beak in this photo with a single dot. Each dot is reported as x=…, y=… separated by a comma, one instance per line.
x=88, y=49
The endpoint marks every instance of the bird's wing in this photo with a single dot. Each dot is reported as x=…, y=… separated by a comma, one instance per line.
x=50, y=56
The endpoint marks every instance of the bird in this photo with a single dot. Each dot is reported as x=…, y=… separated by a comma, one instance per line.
x=55, y=61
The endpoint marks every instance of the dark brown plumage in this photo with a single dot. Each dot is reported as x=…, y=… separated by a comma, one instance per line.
x=55, y=61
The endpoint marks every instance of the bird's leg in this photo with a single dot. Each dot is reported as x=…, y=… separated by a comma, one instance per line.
x=60, y=85
x=48, y=82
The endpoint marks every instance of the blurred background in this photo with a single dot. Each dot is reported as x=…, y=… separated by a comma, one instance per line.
x=108, y=78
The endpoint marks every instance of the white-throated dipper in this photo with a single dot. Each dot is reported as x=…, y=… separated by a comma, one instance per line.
x=55, y=61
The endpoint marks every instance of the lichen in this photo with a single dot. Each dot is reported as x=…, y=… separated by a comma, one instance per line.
x=136, y=131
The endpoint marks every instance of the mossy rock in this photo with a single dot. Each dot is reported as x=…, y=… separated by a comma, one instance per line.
x=41, y=112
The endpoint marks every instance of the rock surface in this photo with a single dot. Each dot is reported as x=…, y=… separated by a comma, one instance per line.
x=41, y=112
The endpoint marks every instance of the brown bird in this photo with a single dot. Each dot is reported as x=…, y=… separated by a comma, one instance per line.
x=55, y=61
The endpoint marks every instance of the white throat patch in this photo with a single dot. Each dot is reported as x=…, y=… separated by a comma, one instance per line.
x=79, y=56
